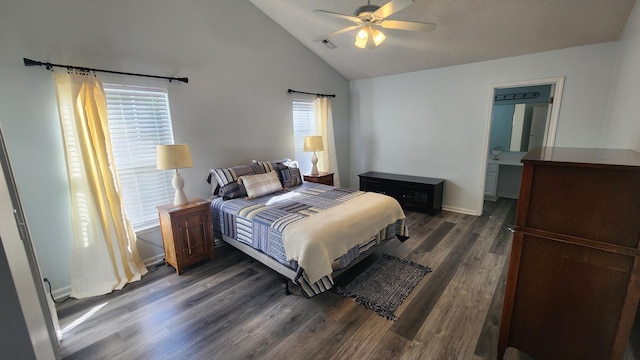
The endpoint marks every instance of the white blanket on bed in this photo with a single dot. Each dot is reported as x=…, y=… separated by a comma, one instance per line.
x=316, y=241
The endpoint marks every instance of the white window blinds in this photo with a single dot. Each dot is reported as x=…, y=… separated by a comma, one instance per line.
x=139, y=119
x=303, y=125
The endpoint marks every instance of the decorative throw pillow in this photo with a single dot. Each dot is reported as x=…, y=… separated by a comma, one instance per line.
x=261, y=167
x=232, y=190
x=228, y=175
x=289, y=176
x=213, y=182
x=260, y=184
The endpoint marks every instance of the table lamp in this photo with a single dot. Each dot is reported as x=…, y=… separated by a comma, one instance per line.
x=313, y=143
x=175, y=156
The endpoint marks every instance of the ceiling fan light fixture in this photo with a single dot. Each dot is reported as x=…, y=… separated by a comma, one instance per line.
x=369, y=18
x=361, y=38
x=377, y=37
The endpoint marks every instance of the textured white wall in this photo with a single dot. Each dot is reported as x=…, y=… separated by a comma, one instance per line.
x=434, y=123
x=235, y=107
x=623, y=128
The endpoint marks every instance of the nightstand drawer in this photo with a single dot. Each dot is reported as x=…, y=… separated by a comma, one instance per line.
x=322, y=178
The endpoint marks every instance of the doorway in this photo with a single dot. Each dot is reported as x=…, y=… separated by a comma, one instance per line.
x=26, y=307
x=520, y=117
x=523, y=115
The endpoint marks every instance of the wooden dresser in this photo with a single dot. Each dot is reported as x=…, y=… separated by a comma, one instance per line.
x=187, y=233
x=574, y=275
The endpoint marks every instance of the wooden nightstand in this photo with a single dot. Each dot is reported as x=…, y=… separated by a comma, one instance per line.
x=187, y=233
x=322, y=178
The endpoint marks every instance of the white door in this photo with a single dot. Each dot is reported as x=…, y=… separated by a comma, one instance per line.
x=22, y=264
x=538, y=126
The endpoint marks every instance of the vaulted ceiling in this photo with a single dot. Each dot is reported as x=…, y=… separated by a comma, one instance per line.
x=466, y=31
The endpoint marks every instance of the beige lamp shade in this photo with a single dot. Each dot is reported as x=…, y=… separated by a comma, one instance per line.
x=313, y=143
x=175, y=156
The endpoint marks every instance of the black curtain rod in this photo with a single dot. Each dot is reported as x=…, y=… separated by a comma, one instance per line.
x=302, y=92
x=29, y=62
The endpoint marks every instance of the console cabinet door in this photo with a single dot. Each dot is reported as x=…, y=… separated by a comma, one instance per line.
x=415, y=198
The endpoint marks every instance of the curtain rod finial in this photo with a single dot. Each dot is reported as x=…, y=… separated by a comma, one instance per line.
x=29, y=62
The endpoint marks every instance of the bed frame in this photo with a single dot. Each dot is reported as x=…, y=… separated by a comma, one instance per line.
x=287, y=273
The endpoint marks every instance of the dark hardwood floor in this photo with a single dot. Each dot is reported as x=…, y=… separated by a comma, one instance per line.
x=232, y=308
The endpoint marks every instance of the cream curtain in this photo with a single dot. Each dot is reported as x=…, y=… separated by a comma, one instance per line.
x=327, y=160
x=104, y=255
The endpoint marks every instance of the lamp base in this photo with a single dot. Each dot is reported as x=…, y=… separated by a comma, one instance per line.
x=314, y=162
x=180, y=197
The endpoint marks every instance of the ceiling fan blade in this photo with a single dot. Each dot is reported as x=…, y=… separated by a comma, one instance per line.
x=408, y=25
x=344, y=30
x=391, y=7
x=342, y=16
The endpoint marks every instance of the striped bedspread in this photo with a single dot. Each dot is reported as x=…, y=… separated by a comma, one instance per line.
x=261, y=222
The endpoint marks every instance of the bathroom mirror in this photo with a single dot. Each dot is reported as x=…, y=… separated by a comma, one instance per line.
x=520, y=118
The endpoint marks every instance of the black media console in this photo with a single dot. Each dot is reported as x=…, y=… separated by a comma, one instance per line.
x=414, y=193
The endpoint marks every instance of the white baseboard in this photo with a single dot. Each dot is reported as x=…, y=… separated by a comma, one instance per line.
x=508, y=195
x=63, y=293
x=154, y=260
x=460, y=210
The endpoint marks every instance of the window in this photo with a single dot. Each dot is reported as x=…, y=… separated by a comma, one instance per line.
x=139, y=119
x=303, y=124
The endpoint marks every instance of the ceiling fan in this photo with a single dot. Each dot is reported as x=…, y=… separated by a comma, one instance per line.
x=368, y=18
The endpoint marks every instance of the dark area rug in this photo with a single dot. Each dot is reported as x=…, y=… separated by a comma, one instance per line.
x=385, y=284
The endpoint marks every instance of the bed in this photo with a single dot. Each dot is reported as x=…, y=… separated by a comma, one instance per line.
x=307, y=232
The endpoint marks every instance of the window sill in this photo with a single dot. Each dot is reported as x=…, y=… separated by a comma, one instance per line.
x=148, y=230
